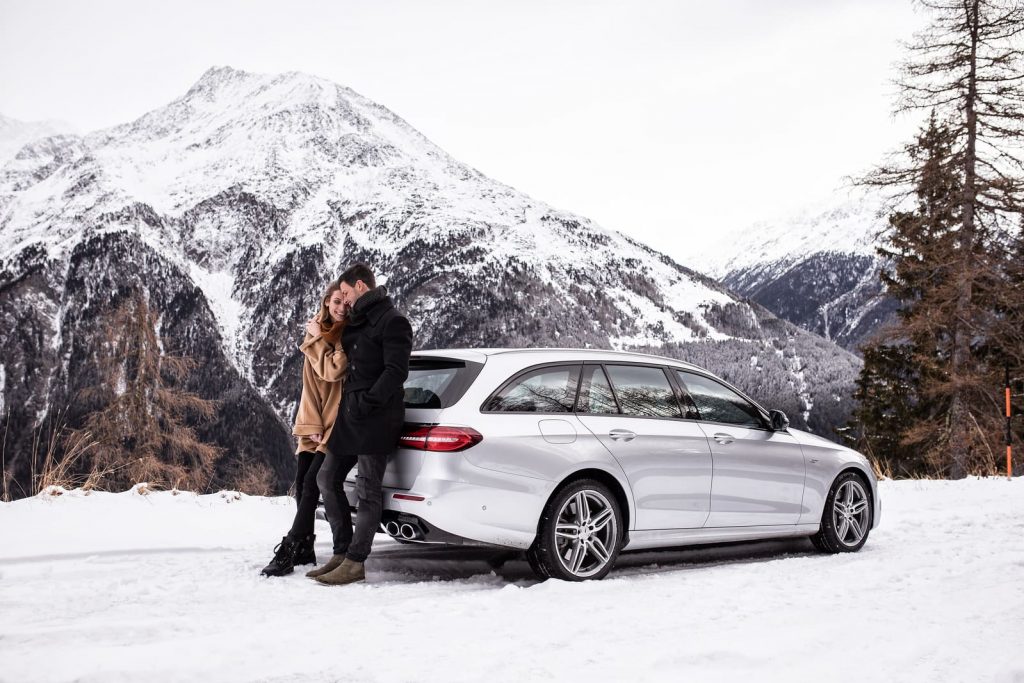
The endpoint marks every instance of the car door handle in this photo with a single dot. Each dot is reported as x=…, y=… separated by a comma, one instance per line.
x=723, y=438
x=622, y=435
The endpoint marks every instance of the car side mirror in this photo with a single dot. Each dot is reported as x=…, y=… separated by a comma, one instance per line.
x=780, y=422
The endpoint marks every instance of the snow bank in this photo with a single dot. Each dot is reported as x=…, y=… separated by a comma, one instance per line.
x=109, y=587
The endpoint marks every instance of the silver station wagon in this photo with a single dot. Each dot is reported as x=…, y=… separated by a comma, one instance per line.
x=576, y=455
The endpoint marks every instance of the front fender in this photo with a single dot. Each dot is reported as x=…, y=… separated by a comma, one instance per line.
x=825, y=461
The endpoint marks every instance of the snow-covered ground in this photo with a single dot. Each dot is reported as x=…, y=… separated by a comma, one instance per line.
x=110, y=587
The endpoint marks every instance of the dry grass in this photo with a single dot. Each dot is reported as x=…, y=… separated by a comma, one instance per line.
x=882, y=468
x=65, y=464
x=253, y=478
x=62, y=472
x=63, y=459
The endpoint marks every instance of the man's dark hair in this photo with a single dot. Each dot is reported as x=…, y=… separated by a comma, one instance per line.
x=359, y=271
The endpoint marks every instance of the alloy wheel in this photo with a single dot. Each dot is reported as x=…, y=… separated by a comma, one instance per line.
x=586, y=531
x=851, y=513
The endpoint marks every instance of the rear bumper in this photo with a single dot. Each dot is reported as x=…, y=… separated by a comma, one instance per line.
x=471, y=505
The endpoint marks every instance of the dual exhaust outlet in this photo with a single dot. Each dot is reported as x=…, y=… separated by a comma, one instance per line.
x=404, y=530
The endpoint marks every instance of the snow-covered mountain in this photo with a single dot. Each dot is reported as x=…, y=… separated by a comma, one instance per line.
x=232, y=207
x=817, y=269
x=14, y=134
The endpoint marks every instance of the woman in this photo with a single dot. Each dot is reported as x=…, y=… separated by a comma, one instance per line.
x=323, y=371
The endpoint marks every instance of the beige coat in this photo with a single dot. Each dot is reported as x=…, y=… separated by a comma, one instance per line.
x=323, y=377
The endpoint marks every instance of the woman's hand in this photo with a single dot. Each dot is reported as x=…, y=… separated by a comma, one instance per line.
x=315, y=437
x=313, y=327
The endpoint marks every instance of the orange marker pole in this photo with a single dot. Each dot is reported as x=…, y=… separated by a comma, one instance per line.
x=1009, y=431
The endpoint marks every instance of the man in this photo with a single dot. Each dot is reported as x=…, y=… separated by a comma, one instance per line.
x=377, y=342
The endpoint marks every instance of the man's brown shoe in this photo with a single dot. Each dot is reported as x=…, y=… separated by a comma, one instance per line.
x=348, y=572
x=331, y=565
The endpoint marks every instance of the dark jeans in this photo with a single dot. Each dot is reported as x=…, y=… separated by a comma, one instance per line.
x=307, y=493
x=356, y=546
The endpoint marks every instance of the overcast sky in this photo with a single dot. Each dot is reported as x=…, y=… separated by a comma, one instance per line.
x=668, y=120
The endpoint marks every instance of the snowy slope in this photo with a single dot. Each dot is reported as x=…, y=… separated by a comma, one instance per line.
x=118, y=587
x=845, y=223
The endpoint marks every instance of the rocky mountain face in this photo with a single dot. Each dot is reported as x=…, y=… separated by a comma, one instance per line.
x=15, y=134
x=838, y=296
x=818, y=269
x=232, y=207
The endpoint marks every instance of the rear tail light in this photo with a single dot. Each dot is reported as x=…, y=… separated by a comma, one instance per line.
x=408, y=496
x=437, y=438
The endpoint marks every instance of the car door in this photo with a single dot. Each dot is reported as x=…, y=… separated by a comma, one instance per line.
x=667, y=460
x=758, y=473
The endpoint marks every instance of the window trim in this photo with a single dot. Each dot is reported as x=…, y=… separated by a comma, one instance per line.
x=577, y=365
x=579, y=392
x=678, y=390
x=681, y=393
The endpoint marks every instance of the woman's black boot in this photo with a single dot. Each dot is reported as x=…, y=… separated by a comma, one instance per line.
x=284, y=559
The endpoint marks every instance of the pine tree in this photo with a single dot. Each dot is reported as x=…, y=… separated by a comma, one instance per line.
x=888, y=405
x=895, y=390
x=140, y=417
x=965, y=69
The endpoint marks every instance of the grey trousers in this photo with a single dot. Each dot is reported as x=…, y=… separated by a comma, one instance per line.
x=355, y=544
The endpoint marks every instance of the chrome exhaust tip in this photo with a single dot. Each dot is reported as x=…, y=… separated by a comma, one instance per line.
x=408, y=532
x=392, y=528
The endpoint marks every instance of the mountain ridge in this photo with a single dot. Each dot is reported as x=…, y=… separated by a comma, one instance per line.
x=818, y=269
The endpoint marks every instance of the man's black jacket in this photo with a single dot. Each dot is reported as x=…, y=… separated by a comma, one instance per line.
x=377, y=342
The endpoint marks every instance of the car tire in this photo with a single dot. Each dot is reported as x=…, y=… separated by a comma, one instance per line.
x=847, y=516
x=579, y=535
x=533, y=559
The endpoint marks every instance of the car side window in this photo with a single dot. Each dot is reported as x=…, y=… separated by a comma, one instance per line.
x=596, y=395
x=643, y=391
x=544, y=390
x=718, y=403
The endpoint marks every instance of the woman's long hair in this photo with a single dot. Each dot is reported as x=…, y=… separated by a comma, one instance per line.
x=330, y=329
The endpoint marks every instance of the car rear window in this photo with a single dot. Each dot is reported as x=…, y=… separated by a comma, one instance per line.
x=438, y=382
